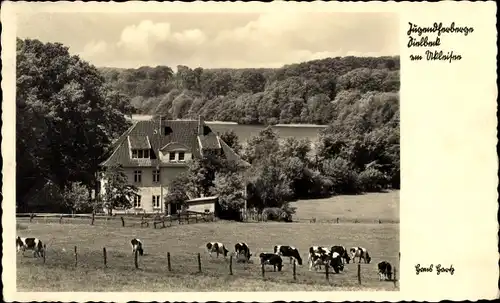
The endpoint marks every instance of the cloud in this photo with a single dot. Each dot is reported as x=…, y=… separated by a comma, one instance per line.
x=190, y=37
x=94, y=48
x=143, y=36
x=271, y=39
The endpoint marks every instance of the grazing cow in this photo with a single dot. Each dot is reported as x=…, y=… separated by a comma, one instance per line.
x=336, y=262
x=271, y=259
x=316, y=260
x=218, y=248
x=288, y=251
x=342, y=252
x=384, y=271
x=137, y=246
x=317, y=256
x=33, y=244
x=242, y=249
x=361, y=253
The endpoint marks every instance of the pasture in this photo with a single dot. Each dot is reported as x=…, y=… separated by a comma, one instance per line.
x=184, y=242
x=367, y=208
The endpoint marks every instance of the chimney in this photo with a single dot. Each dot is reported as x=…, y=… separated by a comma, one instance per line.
x=201, y=124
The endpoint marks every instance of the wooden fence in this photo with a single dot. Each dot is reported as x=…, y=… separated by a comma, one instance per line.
x=250, y=216
x=328, y=275
x=162, y=221
x=143, y=220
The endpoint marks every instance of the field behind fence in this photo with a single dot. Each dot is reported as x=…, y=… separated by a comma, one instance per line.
x=180, y=254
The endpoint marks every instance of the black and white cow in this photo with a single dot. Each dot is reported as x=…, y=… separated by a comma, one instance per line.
x=336, y=262
x=342, y=252
x=218, y=248
x=288, y=251
x=317, y=256
x=137, y=246
x=33, y=244
x=361, y=253
x=385, y=271
x=271, y=259
x=242, y=249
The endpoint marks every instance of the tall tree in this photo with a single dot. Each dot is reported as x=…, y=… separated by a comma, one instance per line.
x=64, y=111
x=118, y=192
x=231, y=139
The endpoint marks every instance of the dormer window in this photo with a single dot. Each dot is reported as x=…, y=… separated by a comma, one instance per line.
x=167, y=131
x=171, y=156
x=140, y=154
x=181, y=156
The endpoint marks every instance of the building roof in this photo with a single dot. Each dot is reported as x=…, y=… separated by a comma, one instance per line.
x=149, y=134
x=139, y=142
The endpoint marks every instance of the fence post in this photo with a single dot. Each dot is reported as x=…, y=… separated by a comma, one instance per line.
x=135, y=259
x=263, y=271
x=394, y=278
x=76, y=257
x=60, y=219
x=123, y=222
x=294, y=270
x=199, y=262
x=44, y=252
x=359, y=273
x=327, y=271
x=31, y=217
x=337, y=220
x=399, y=256
x=104, y=256
x=93, y=218
x=231, y=265
x=168, y=262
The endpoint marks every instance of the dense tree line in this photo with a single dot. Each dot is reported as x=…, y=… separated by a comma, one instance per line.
x=311, y=92
x=353, y=155
x=66, y=119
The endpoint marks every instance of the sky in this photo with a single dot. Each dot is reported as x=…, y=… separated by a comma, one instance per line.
x=214, y=40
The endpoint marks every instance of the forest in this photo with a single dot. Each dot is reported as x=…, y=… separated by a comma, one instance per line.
x=69, y=112
x=314, y=92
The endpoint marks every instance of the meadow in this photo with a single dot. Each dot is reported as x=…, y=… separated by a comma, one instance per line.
x=184, y=242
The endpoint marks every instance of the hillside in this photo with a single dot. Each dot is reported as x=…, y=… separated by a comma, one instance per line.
x=315, y=92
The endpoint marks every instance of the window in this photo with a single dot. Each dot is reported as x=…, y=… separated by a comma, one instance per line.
x=137, y=176
x=167, y=131
x=181, y=156
x=140, y=154
x=171, y=156
x=156, y=175
x=156, y=202
x=137, y=201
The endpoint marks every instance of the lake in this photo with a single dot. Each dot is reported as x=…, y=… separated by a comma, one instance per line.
x=244, y=132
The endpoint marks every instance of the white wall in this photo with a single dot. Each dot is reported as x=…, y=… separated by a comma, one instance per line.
x=147, y=188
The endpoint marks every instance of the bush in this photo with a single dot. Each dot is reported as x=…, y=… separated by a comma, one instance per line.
x=372, y=180
x=283, y=214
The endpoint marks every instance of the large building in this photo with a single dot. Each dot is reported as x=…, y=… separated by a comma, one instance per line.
x=154, y=152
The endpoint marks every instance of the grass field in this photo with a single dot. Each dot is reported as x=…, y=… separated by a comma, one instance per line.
x=184, y=242
x=366, y=208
